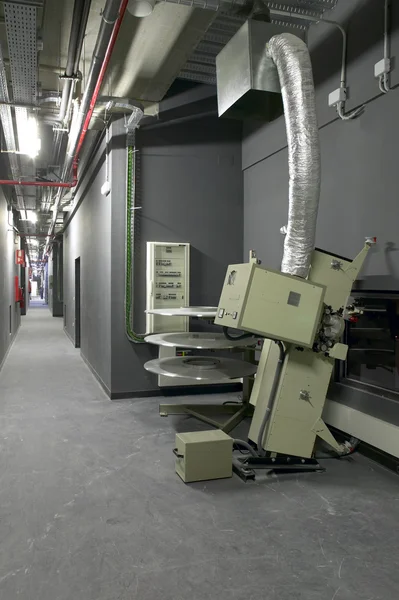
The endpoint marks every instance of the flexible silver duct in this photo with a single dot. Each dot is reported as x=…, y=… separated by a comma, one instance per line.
x=291, y=57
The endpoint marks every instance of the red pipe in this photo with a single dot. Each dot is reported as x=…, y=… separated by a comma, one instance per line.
x=89, y=115
x=37, y=183
x=101, y=75
x=56, y=184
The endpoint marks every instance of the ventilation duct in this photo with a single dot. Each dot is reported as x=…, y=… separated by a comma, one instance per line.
x=291, y=57
x=255, y=61
x=245, y=72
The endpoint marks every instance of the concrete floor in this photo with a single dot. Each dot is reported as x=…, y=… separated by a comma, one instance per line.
x=91, y=509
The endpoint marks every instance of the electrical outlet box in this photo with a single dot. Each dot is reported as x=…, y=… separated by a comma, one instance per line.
x=382, y=67
x=203, y=455
x=337, y=96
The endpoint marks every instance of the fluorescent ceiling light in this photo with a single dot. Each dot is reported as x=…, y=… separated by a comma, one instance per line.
x=30, y=143
x=30, y=216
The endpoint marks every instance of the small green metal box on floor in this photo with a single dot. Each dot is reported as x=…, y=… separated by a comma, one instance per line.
x=202, y=455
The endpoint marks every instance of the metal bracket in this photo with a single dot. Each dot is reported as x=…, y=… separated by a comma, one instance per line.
x=64, y=77
x=246, y=468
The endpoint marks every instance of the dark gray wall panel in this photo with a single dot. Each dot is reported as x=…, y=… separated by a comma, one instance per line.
x=55, y=263
x=190, y=190
x=88, y=236
x=8, y=270
x=50, y=268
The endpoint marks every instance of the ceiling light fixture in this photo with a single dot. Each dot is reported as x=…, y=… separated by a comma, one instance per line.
x=141, y=8
x=30, y=144
x=30, y=216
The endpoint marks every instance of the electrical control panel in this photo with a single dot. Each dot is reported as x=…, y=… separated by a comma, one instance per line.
x=168, y=271
x=271, y=304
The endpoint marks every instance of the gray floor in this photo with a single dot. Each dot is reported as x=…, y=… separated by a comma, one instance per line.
x=90, y=507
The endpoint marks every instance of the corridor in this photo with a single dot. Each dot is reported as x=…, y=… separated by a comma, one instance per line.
x=91, y=509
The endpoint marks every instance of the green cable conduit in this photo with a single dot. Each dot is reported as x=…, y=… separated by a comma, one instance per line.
x=137, y=338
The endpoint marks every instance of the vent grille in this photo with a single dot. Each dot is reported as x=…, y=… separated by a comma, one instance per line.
x=20, y=21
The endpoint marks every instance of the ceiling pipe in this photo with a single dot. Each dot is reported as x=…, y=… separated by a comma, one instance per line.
x=112, y=16
x=37, y=183
x=34, y=235
x=48, y=184
x=100, y=62
x=80, y=16
x=111, y=21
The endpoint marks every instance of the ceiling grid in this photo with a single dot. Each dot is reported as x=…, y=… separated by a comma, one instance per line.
x=21, y=38
x=8, y=131
x=20, y=21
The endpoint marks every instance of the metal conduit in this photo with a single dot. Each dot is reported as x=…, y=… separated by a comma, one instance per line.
x=80, y=16
x=109, y=29
x=111, y=21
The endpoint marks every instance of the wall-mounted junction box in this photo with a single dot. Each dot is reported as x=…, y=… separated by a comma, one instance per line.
x=337, y=96
x=168, y=284
x=382, y=67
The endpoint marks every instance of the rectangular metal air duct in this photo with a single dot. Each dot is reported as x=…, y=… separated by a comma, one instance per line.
x=244, y=73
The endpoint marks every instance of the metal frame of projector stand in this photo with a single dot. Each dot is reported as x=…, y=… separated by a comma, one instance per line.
x=207, y=412
x=246, y=467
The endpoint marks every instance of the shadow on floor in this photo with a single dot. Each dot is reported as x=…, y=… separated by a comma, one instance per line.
x=91, y=508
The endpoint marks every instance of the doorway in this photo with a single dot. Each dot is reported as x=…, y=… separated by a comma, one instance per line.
x=77, y=303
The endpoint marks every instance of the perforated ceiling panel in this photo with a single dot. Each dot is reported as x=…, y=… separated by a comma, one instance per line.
x=8, y=130
x=21, y=38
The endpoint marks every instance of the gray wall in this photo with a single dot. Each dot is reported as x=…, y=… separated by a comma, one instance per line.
x=55, y=292
x=88, y=236
x=50, y=270
x=8, y=270
x=190, y=190
x=359, y=173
